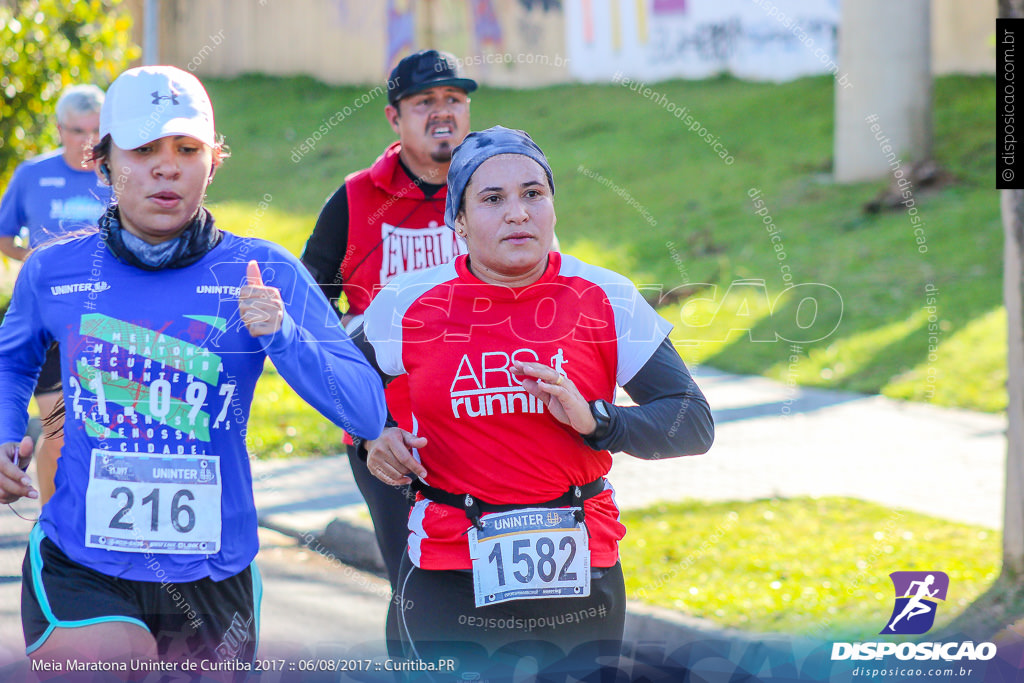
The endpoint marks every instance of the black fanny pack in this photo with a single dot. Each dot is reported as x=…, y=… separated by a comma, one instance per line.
x=474, y=507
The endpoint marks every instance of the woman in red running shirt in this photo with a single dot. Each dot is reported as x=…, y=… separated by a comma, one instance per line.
x=513, y=353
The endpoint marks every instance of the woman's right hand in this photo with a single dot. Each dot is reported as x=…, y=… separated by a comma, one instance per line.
x=14, y=483
x=390, y=459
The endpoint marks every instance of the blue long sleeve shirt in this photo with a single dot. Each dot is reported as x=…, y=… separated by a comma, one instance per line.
x=50, y=198
x=158, y=378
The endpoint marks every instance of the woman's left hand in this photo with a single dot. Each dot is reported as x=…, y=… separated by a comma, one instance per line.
x=261, y=307
x=558, y=393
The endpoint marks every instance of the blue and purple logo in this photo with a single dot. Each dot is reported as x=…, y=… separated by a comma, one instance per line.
x=917, y=596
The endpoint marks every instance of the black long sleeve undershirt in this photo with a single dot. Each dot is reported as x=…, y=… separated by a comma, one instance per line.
x=671, y=419
x=326, y=246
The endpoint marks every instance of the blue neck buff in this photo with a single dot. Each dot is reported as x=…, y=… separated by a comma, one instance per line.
x=199, y=237
x=155, y=256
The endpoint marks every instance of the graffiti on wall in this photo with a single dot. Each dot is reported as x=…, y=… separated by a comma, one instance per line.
x=498, y=41
x=543, y=5
x=668, y=7
x=486, y=27
x=401, y=31
x=655, y=39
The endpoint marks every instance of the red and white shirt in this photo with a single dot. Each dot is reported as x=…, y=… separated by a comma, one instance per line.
x=456, y=337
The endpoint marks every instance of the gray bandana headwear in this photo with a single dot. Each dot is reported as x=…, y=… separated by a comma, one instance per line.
x=477, y=148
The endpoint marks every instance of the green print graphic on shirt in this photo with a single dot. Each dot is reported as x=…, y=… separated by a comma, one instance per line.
x=156, y=346
x=211, y=320
x=98, y=431
x=141, y=387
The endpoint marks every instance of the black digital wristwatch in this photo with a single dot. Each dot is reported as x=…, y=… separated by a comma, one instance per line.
x=602, y=415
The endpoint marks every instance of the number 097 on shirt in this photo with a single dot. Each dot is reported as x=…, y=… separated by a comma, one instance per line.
x=529, y=554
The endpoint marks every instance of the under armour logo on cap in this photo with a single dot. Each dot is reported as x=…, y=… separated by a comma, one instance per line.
x=173, y=97
x=136, y=111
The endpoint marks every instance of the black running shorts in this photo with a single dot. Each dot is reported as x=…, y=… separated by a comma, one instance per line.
x=196, y=620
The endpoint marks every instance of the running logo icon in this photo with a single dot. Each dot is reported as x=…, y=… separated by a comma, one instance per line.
x=917, y=596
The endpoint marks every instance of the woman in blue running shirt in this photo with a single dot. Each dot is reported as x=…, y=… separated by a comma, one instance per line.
x=145, y=550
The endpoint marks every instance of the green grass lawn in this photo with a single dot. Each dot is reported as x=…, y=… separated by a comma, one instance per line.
x=702, y=228
x=808, y=566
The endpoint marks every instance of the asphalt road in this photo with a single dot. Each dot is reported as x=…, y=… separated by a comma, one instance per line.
x=13, y=540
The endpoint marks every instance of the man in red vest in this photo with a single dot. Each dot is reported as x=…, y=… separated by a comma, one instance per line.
x=389, y=219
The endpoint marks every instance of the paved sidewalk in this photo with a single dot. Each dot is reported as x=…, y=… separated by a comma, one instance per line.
x=774, y=440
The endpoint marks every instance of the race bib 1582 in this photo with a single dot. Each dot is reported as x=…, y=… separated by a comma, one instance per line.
x=529, y=553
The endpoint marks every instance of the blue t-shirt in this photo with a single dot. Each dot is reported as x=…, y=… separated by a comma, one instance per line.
x=50, y=198
x=159, y=372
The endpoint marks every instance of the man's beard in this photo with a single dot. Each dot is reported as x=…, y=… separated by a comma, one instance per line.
x=443, y=154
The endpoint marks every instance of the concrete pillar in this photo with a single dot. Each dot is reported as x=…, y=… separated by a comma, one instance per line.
x=884, y=49
x=151, y=25
x=1012, y=202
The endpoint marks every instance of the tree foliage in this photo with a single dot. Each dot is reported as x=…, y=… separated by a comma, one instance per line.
x=45, y=46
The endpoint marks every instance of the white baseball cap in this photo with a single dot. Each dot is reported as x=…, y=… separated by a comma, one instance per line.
x=152, y=102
